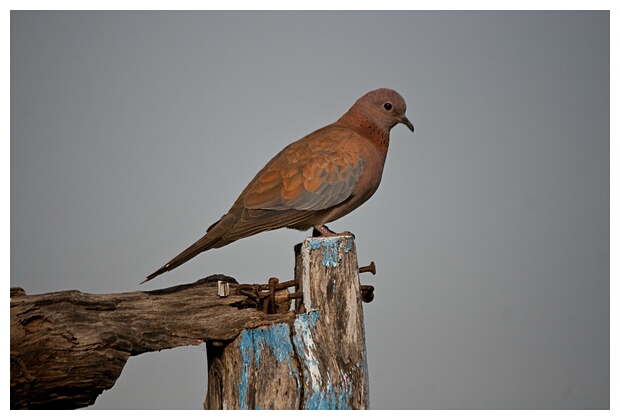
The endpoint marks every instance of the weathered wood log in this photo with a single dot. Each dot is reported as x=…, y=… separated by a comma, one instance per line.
x=316, y=362
x=68, y=347
x=331, y=339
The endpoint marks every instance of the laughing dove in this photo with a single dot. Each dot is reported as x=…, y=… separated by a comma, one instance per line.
x=313, y=181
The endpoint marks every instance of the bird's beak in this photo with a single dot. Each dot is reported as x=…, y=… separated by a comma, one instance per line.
x=405, y=121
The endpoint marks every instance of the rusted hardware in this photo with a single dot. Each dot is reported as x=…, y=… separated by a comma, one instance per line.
x=367, y=293
x=264, y=295
x=370, y=268
x=297, y=295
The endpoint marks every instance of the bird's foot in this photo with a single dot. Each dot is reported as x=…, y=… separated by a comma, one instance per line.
x=323, y=231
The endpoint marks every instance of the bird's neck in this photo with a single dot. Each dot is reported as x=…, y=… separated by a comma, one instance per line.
x=356, y=120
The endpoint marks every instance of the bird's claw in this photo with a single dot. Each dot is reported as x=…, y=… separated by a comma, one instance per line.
x=325, y=232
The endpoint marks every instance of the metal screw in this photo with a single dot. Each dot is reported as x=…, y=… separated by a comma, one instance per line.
x=370, y=268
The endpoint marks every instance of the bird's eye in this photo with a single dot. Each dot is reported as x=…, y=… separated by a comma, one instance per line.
x=387, y=106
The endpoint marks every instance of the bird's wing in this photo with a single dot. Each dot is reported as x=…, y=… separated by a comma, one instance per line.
x=306, y=177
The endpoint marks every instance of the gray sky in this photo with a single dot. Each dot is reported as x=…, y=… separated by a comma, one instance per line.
x=132, y=132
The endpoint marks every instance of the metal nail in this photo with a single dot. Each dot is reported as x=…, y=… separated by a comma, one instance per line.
x=370, y=268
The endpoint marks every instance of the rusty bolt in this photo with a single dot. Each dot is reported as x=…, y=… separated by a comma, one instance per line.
x=367, y=294
x=297, y=295
x=370, y=268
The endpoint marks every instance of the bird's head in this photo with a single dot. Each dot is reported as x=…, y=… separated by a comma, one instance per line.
x=385, y=108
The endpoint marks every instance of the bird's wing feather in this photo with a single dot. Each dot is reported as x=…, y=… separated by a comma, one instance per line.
x=252, y=222
x=306, y=177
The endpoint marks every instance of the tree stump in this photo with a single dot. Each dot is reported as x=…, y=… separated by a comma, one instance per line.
x=318, y=361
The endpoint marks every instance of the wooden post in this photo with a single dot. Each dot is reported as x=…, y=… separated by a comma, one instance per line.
x=318, y=362
x=67, y=347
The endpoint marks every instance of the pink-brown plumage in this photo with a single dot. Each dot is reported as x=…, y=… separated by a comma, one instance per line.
x=313, y=181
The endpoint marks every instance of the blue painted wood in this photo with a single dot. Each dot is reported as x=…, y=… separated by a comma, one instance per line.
x=329, y=337
x=253, y=344
x=318, y=361
x=331, y=248
x=323, y=393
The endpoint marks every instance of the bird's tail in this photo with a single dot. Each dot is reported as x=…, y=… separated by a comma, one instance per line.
x=214, y=238
x=203, y=244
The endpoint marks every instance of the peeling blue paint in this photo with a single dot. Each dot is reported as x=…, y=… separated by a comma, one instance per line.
x=320, y=392
x=281, y=342
x=331, y=397
x=253, y=343
x=330, y=252
x=245, y=346
x=304, y=344
x=276, y=337
x=314, y=317
x=314, y=244
x=348, y=244
x=331, y=247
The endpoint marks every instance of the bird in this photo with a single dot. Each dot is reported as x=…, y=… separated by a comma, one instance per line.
x=313, y=181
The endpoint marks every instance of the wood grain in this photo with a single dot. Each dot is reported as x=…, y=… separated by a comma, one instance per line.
x=67, y=347
x=316, y=362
